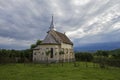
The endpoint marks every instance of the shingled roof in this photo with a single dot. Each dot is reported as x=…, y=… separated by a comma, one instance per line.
x=55, y=37
x=64, y=38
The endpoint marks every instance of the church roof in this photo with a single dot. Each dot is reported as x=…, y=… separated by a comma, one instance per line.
x=55, y=37
x=64, y=38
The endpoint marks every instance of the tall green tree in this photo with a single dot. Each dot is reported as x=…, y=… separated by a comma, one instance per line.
x=47, y=56
x=61, y=54
x=32, y=46
x=38, y=42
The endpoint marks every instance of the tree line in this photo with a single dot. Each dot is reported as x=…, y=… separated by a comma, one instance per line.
x=17, y=56
x=103, y=58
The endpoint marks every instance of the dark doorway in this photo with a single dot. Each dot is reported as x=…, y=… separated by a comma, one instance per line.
x=51, y=56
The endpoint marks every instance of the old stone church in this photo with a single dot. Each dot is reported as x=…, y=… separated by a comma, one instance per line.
x=55, y=42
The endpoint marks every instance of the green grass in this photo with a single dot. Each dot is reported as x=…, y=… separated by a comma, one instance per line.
x=57, y=72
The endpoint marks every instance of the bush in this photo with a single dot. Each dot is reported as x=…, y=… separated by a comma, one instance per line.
x=83, y=56
x=104, y=61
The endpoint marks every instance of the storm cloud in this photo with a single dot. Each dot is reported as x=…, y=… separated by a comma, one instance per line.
x=22, y=22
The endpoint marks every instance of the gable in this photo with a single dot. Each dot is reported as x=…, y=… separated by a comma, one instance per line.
x=49, y=39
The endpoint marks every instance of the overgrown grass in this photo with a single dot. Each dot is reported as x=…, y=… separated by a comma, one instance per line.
x=57, y=72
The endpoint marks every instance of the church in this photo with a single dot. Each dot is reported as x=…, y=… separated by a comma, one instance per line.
x=55, y=47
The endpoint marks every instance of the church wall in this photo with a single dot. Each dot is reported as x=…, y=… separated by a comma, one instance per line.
x=63, y=45
x=68, y=52
x=40, y=54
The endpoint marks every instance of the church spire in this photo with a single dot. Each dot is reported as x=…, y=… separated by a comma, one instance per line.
x=52, y=24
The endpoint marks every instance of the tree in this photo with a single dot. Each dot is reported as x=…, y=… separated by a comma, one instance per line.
x=11, y=56
x=47, y=55
x=61, y=53
x=33, y=46
x=38, y=42
x=105, y=53
x=83, y=56
x=101, y=57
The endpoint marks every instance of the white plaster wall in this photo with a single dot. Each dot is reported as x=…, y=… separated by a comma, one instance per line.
x=41, y=55
x=69, y=53
x=63, y=45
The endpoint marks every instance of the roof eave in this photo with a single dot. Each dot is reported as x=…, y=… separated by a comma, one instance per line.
x=50, y=44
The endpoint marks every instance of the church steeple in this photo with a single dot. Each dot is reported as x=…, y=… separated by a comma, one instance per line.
x=52, y=24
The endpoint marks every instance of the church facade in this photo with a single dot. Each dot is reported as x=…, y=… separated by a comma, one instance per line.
x=55, y=47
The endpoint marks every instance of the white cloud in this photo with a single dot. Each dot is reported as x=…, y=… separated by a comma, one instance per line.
x=116, y=26
x=79, y=2
x=96, y=24
x=29, y=20
x=12, y=41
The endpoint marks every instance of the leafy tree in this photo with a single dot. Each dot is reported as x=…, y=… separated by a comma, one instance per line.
x=33, y=46
x=105, y=53
x=38, y=42
x=102, y=53
x=83, y=56
x=61, y=53
x=47, y=55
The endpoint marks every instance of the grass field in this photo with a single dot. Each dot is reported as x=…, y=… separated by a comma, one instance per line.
x=57, y=72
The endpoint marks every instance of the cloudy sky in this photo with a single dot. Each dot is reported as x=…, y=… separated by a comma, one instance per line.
x=22, y=22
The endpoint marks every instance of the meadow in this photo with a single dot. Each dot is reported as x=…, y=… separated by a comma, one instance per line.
x=31, y=71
